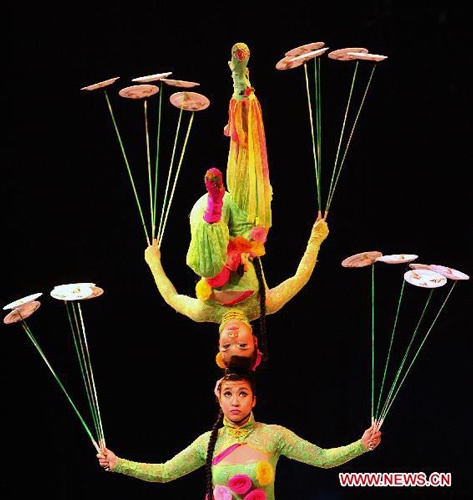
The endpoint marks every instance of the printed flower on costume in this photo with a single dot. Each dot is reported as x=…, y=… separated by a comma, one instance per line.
x=240, y=484
x=255, y=495
x=264, y=473
x=259, y=233
x=222, y=493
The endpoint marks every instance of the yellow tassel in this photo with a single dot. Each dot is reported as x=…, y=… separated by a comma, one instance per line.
x=203, y=290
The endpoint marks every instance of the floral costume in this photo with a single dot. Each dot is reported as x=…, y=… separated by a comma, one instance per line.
x=252, y=473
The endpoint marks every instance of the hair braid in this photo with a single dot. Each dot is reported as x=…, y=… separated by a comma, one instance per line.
x=210, y=452
x=262, y=318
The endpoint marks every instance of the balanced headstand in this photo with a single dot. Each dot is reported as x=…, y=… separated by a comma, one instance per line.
x=228, y=233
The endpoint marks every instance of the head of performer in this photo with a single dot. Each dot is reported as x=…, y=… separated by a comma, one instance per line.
x=236, y=393
x=237, y=340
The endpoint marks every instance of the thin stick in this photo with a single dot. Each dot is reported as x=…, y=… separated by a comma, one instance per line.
x=148, y=158
x=372, y=341
x=176, y=176
x=38, y=348
x=158, y=141
x=130, y=176
x=314, y=152
x=332, y=189
x=176, y=135
x=391, y=342
x=418, y=350
x=398, y=373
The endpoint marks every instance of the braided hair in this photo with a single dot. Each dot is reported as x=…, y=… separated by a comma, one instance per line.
x=262, y=318
x=239, y=369
x=210, y=451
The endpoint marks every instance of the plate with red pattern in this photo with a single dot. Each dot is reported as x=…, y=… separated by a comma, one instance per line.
x=141, y=91
x=361, y=259
x=348, y=54
x=189, y=101
x=101, y=85
x=21, y=312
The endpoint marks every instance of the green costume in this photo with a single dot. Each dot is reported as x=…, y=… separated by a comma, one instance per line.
x=217, y=250
x=207, y=253
x=247, y=203
x=212, y=311
x=269, y=441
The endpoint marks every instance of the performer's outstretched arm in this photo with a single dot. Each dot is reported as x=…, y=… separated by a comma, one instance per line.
x=189, y=306
x=281, y=294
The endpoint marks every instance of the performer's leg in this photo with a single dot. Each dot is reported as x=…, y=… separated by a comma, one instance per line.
x=216, y=190
x=247, y=165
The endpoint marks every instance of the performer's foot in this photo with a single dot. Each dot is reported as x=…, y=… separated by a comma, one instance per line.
x=240, y=73
x=214, y=183
x=240, y=58
x=216, y=190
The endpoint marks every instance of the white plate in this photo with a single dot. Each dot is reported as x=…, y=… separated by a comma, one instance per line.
x=24, y=300
x=397, y=258
x=152, y=78
x=310, y=55
x=73, y=291
x=450, y=273
x=425, y=278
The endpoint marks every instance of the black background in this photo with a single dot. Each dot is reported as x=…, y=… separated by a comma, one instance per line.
x=70, y=216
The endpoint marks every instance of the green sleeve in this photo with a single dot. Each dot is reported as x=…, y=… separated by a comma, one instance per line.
x=281, y=294
x=296, y=448
x=183, y=304
x=186, y=461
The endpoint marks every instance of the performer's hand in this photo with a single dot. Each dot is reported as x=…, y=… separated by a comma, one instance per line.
x=320, y=230
x=153, y=252
x=371, y=437
x=107, y=459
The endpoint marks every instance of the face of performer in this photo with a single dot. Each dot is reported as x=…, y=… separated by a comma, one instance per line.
x=237, y=400
x=236, y=338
